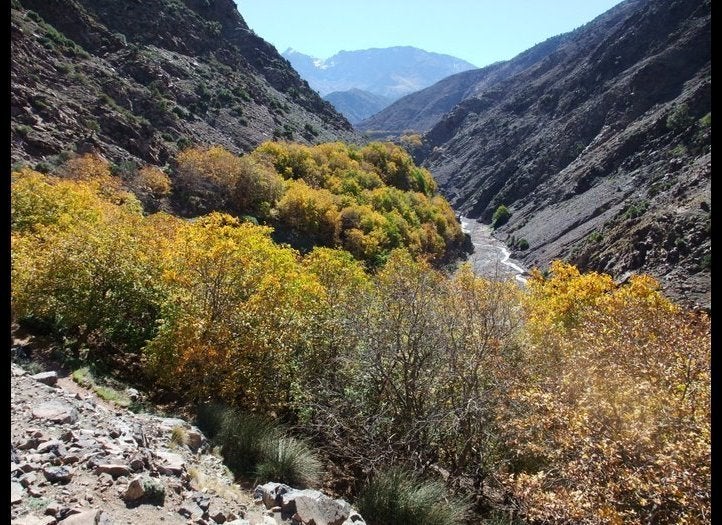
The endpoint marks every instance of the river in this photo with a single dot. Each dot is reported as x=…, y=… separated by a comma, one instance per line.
x=491, y=258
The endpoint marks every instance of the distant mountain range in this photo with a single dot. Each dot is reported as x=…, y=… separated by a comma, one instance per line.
x=388, y=72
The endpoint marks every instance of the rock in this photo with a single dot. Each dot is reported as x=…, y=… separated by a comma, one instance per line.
x=54, y=445
x=56, y=411
x=195, y=440
x=312, y=505
x=202, y=501
x=239, y=521
x=190, y=510
x=28, y=479
x=171, y=464
x=114, y=469
x=17, y=370
x=271, y=493
x=57, y=474
x=88, y=517
x=105, y=479
x=53, y=509
x=135, y=490
x=132, y=394
x=29, y=444
x=354, y=519
x=218, y=517
x=16, y=492
x=32, y=519
x=47, y=378
x=268, y=520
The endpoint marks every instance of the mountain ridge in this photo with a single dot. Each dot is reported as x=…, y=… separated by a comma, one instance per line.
x=390, y=72
x=115, y=77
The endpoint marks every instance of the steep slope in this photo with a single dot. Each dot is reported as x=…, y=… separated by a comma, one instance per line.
x=601, y=150
x=357, y=104
x=390, y=72
x=136, y=80
x=418, y=112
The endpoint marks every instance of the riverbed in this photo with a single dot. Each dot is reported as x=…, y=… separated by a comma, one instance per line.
x=491, y=257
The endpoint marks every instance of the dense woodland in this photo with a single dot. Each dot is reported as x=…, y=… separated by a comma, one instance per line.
x=573, y=399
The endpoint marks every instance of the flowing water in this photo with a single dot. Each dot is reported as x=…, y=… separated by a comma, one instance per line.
x=491, y=258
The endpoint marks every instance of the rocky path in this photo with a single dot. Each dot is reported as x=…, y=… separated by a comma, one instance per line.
x=77, y=460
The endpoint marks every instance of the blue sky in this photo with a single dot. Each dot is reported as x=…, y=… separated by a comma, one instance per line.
x=479, y=31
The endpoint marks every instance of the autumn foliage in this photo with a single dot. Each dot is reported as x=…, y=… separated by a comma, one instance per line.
x=577, y=399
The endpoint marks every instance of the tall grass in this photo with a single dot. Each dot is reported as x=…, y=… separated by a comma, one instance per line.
x=396, y=496
x=253, y=447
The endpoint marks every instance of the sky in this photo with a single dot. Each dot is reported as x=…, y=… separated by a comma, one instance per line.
x=478, y=31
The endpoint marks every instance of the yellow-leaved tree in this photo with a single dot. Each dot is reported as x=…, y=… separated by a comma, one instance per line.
x=610, y=420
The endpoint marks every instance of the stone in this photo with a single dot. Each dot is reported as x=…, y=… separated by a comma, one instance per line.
x=29, y=444
x=28, y=479
x=218, y=517
x=190, y=510
x=88, y=517
x=114, y=469
x=354, y=519
x=47, y=378
x=171, y=464
x=57, y=474
x=16, y=492
x=135, y=490
x=52, y=509
x=239, y=521
x=195, y=440
x=53, y=445
x=312, y=505
x=132, y=394
x=56, y=411
x=32, y=519
x=105, y=479
x=270, y=493
x=17, y=370
x=268, y=520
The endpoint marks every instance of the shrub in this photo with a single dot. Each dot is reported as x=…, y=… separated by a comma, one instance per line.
x=679, y=118
x=179, y=436
x=522, y=244
x=500, y=217
x=154, y=491
x=287, y=460
x=243, y=438
x=396, y=496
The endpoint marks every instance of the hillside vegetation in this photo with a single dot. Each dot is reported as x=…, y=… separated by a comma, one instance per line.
x=573, y=400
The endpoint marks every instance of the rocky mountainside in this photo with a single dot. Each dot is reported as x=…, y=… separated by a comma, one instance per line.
x=389, y=72
x=418, y=112
x=139, y=80
x=357, y=104
x=600, y=149
x=76, y=459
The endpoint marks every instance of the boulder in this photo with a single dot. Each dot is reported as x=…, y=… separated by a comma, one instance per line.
x=88, y=517
x=190, y=510
x=16, y=492
x=32, y=519
x=195, y=440
x=170, y=464
x=57, y=474
x=47, y=378
x=56, y=411
x=270, y=493
x=315, y=507
x=114, y=469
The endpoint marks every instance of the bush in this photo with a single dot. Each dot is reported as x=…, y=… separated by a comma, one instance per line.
x=287, y=460
x=500, y=217
x=679, y=119
x=397, y=496
x=243, y=439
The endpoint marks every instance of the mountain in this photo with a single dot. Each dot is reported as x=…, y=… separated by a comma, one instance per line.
x=600, y=149
x=139, y=80
x=418, y=112
x=389, y=72
x=356, y=104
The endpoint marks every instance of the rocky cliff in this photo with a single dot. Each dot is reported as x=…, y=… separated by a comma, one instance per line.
x=139, y=80
x=600, y=149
